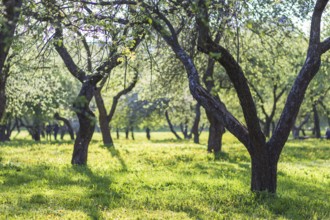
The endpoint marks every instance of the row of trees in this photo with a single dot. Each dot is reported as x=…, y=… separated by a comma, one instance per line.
x=239, y=60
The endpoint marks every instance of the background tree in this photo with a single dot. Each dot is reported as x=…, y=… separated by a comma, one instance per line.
x=36, y=86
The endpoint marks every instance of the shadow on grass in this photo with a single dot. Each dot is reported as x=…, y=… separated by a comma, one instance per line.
x=88, y=192
x=297, y=199
x=116, y=153
x=228, y=157
x=100, y=192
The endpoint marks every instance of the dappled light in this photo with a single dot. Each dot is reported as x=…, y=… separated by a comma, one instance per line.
x=177, y=180
x=143, y=109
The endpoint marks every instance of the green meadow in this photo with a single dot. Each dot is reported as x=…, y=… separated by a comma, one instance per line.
x=159, y=179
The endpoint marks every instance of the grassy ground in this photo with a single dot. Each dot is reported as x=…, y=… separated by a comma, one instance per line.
x=158, y=179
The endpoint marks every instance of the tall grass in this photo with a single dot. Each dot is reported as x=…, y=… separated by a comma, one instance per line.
x=158, y=179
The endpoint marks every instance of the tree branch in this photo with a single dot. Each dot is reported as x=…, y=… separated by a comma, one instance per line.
x=306, y=74
x=66, y=57
x=121, y=93
x=233, y=70
x=325, y=45
x=88, y=51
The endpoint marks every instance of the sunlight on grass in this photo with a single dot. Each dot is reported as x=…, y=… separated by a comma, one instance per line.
x=158, y=179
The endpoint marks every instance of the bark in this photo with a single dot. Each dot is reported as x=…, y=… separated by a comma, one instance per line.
x=56, y=128
x=306, y=74
x=171, y=126
x=264, y=172
x=117, y=132
x=87, y=122
x=3, y=133
x=35, y=132
x=3, y=98
x=67, y=123
x=216, y=131
x=195, y=127
x=132, y=133
x=12, y=10
x=127, y=133
x=148, y=133
x=317, y=129
x=6, y=129
x=103, y=119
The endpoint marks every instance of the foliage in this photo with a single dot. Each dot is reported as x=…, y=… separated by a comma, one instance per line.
x=162, y=179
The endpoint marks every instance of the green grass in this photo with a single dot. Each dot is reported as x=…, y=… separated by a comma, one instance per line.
x=158, y=179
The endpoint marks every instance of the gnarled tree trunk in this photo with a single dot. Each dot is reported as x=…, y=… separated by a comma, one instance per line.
x=216, y=131
x=87, y=123
x=264, y=171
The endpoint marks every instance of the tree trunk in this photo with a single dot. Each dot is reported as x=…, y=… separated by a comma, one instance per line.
x=185, y=131
x=264, y=172
x=103, y=119
x=194, y=129
x=132, y=133
x=171, y=126
x=106, y=133
x=126, y=133
x=6, y=129
x=117, y=132
x=3, y=133
x=35, y=132
x=216, y=131
x=296, y=130
x=67, y=123
x=86, y=121
x=317, y=129
x=3, y=98
x=148, y=133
